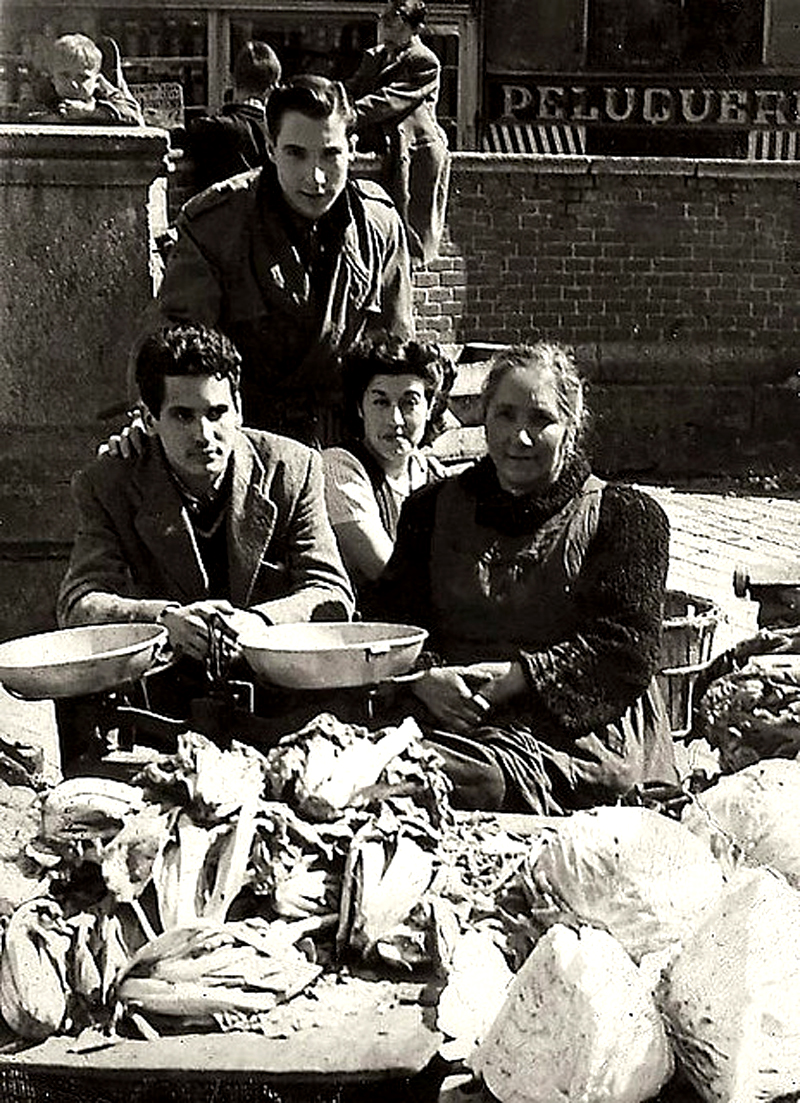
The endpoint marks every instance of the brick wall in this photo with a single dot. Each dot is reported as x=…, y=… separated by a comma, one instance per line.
x=676, y=281
x=617, y=251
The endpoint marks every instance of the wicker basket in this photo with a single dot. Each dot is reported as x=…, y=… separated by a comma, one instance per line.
x=686, y=643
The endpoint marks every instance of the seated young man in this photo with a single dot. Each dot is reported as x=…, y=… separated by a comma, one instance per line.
x=78, y=92
x=213, y=520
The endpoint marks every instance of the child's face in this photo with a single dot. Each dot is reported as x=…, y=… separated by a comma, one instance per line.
x=74, y=79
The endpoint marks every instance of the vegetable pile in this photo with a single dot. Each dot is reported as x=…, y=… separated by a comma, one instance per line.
x=220, y=883
x=751, y=715
x=579, y=959
x=637, y=945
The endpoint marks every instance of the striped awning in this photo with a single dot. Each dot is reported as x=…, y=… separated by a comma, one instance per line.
x=558, y=138
x=773, y=145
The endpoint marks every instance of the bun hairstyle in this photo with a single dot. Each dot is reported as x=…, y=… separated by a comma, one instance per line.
x=549, y=358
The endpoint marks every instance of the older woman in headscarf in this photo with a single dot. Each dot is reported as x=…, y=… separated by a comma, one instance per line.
x=542, y=588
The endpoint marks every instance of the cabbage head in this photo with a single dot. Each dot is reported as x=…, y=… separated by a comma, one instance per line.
x=579, y=1025
x=757, y=810
x=731, y=998
x=636, y=873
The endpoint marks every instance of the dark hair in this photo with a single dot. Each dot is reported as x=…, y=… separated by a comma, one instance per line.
x=391, y=356
x=412, y=12
x=552, y=359
x=256, y=68
x=183, y=350
x=316, y=97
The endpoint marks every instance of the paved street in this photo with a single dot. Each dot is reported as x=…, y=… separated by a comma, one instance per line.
x=713, y=533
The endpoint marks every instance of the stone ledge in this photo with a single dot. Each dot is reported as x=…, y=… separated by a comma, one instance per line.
x=584, y=165
x=63, y=155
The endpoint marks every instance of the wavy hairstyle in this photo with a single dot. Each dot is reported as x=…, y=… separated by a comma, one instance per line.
x=183, y=350
x=390, y=355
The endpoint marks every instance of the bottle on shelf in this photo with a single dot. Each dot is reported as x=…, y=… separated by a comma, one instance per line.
x=170, y=39
x=196, y=45
x=130, y=43
x=6, y=97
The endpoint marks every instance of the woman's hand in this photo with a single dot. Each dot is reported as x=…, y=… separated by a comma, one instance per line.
x=461, y=697
x=496, y=682
x=449, y=698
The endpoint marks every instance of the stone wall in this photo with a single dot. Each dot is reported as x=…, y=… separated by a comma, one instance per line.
x=78, y=208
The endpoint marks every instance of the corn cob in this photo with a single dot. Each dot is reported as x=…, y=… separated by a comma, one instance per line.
x=384, y=880
x=85, y=974
x=191, y=1001
x=209, y=969
x=33, y=970
x=88, y=807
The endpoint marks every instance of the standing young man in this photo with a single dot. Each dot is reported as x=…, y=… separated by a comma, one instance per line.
x=294, y=262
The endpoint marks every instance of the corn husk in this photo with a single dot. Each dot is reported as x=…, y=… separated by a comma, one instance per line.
x=34, y=987
x=88, y=808
x=328, y=766
x=198, y=972
x=389, y=869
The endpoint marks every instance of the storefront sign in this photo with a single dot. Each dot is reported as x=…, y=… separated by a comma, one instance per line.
x=162, y=103
x=524, y=100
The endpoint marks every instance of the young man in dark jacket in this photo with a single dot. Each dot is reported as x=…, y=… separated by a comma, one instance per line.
x=294, y=262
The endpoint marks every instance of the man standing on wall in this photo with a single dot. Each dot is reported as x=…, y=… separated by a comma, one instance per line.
x=235, y=140
x=294, y=262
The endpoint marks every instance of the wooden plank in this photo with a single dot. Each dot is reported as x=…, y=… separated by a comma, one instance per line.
x=349, y=1031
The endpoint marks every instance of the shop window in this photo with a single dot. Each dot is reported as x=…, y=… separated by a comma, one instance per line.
x=446, y=48
x=308, y=44
x=705, y=35
x=162, y=48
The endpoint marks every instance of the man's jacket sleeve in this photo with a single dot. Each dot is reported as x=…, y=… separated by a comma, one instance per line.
x=398, y=310
x=414, y=82
x=191, y=290
x=97, y=562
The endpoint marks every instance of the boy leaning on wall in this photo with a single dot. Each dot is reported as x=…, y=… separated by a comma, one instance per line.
x=78, y=92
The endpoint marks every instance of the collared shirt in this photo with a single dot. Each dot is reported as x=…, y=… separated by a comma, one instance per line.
x=207, y=513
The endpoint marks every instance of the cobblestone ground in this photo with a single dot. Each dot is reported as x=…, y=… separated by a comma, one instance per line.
x=713, y=532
